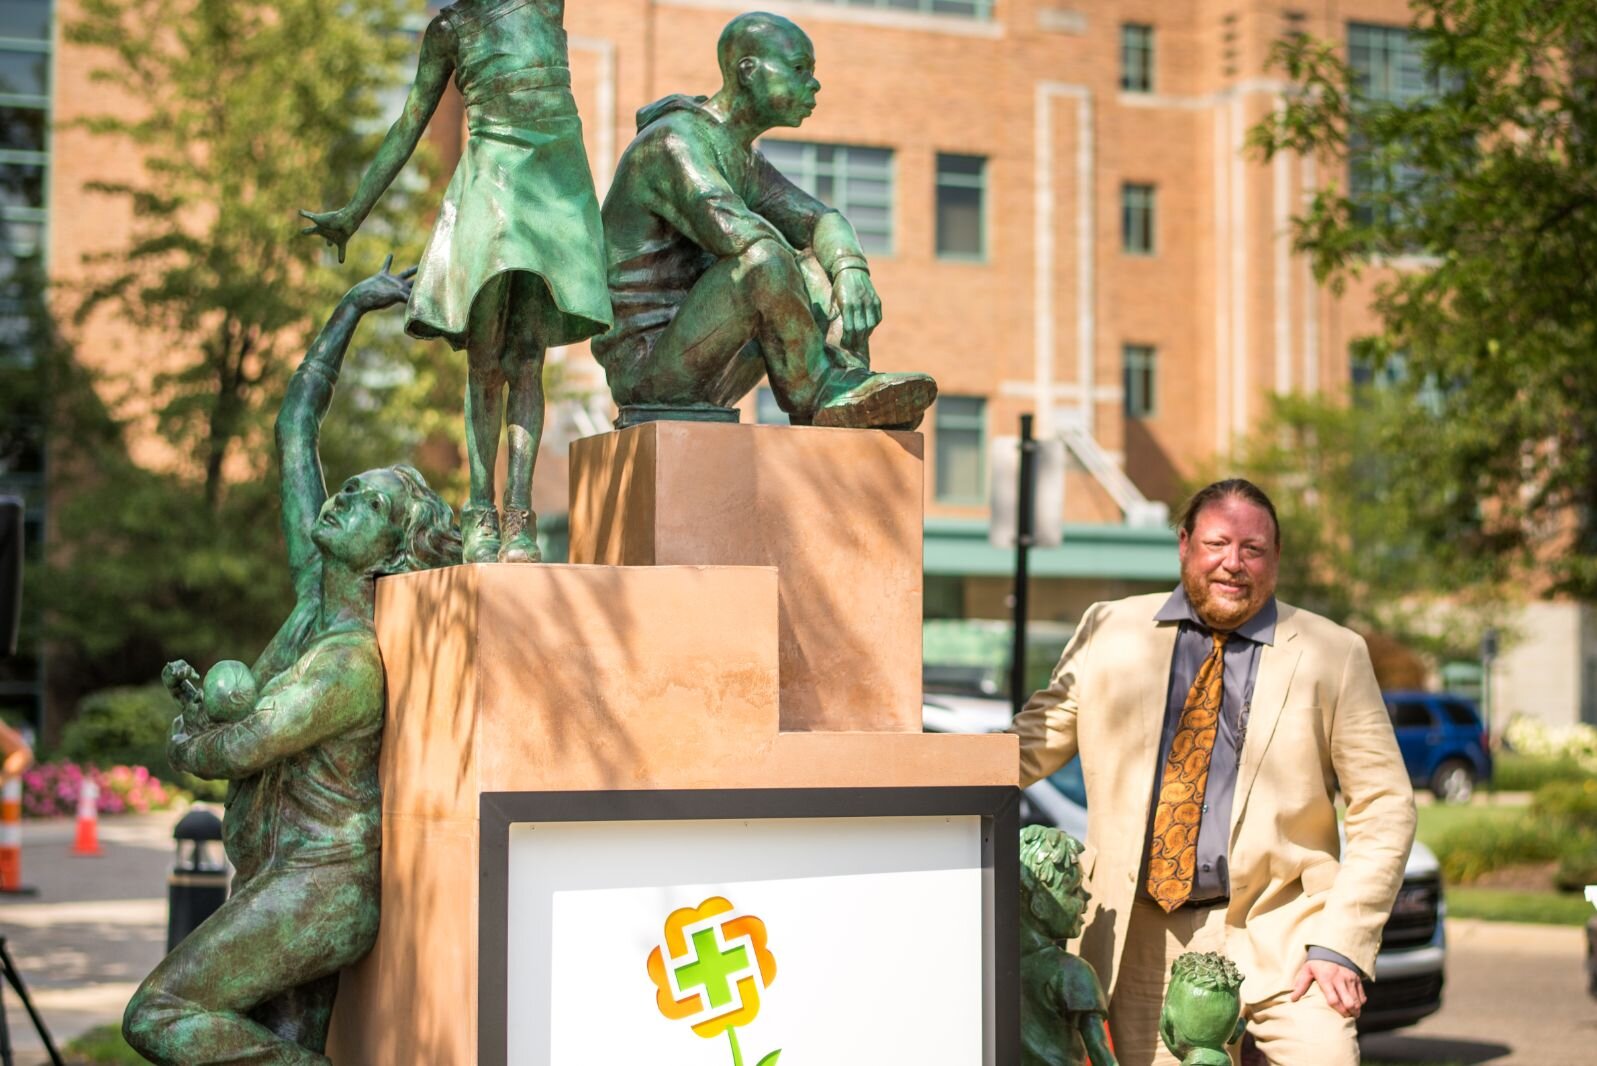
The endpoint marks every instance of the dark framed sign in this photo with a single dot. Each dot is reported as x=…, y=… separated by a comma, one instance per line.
x=832, y=926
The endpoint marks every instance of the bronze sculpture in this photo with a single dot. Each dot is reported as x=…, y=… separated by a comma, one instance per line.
x=722, y=271
x=1202, y=1010
x=512, y=266
x=256, y=981
x=1062, y=1006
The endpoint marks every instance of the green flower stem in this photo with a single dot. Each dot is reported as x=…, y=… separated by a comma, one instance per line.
x=737, y=1052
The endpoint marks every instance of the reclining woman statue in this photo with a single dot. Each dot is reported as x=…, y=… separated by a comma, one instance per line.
x=255, y=983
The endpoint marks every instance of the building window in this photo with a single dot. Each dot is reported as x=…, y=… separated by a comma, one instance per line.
x=961, y=441
x=1388, y=68
x=857, y=181
x=961, y=206
x=1141, y=362
x=1136, y=58
x=1137, y=218
x=968, y=9
x=766, y=411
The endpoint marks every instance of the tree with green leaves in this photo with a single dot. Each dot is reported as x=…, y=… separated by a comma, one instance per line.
x=250, y=109
x=1359, y=514
x=1475, y=202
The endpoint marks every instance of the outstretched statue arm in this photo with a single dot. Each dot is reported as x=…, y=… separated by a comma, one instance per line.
x=437, y=62
x=332, y=694
x=305, y=403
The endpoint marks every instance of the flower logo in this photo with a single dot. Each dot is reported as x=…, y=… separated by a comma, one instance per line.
x=711, y=969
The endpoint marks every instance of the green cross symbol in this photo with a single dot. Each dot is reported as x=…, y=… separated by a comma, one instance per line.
x=713, y=969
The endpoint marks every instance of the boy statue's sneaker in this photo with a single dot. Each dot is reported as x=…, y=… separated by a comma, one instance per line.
x=479, y=534
x=520, y=543
x=877, y=400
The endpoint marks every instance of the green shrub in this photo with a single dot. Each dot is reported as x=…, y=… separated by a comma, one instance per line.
x=129, y=727
x=103, y=1046
x=122, y=726
x=1469, y=851
x=1572, y=802
x=1517, y=772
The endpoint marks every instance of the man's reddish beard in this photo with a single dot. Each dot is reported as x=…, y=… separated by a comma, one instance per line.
x=1216, y=611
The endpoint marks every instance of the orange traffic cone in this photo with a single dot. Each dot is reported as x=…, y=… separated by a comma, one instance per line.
x=11, y=839
x=88, y=838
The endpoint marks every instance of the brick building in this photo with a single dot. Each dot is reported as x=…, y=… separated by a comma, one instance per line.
x=1060, y=214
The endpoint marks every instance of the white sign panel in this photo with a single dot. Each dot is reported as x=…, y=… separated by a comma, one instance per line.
x=829, y=940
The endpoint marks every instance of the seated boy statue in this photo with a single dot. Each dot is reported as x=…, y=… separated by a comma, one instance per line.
x=1062, y=1005
x=721, y=271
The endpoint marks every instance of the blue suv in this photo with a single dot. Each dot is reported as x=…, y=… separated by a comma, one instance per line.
x=1443, y=742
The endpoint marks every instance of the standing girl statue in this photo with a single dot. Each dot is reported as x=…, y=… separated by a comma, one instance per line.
x=515, y=262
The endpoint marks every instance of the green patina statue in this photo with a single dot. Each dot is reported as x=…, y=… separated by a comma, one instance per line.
x=1062, y=1007
x=1202, y=1009
x=722, y=271
x=255, y=983
x=513, y=264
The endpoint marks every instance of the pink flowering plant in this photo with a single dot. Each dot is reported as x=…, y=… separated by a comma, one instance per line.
x=50, y=790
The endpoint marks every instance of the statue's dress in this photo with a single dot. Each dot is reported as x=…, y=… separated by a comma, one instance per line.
x=521, y=199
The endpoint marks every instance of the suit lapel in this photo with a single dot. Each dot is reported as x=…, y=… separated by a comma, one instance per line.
x=1156, y=684
x=1277, y=663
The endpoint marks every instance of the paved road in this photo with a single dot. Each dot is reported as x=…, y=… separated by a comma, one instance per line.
x=96, y=927
x=1515, y=996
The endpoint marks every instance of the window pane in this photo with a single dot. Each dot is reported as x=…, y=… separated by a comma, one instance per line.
x=21, y=185
x=857, y=181
x=1140, y=362
x=959, y=222
x=24, y=73
x=961, y=449
x=27, y=19
x=1137, y=218
x=23, y=128
x=1136, y=58
x=960, y=207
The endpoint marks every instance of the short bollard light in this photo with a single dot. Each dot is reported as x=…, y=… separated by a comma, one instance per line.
x=197, y=884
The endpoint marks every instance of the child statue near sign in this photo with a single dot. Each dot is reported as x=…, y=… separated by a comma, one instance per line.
x=1062, y=1006
x=514, y=262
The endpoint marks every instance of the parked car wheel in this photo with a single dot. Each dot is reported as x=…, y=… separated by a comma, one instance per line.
x=1454, y=781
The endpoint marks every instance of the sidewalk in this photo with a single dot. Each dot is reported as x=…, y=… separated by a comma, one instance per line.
x=95, y=928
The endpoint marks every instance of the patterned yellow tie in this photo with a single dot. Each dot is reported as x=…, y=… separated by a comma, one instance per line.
x=1173, y=850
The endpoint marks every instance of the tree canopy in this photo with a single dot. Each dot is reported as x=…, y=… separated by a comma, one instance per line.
x=250, y=111
x=1476, y=203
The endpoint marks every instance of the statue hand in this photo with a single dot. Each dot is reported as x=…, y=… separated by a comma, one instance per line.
x=382, y=289
x=182, y=681
x=857, y=304
x=335, y=227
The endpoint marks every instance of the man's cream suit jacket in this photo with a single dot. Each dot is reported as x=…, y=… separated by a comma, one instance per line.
x=1317, y=724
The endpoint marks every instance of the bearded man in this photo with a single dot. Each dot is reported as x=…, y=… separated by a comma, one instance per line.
x=1216, y=726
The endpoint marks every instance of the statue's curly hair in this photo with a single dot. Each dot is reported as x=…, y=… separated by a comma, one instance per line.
x=429, y=536
x=1049, y=859
x=1207, y=969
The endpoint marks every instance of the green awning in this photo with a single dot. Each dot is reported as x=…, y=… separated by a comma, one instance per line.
x=958, y=547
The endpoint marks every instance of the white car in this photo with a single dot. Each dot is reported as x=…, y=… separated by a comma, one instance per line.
x=1409, y=970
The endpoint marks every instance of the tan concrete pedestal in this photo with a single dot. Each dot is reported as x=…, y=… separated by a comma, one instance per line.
x=838, y=512
x=537, y=678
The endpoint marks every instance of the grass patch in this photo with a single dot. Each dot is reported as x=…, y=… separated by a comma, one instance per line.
x=1504, y=905
x=103, y=1046
x=1514, y=772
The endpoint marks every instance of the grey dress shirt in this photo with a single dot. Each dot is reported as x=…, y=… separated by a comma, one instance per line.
x=1211, y=883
